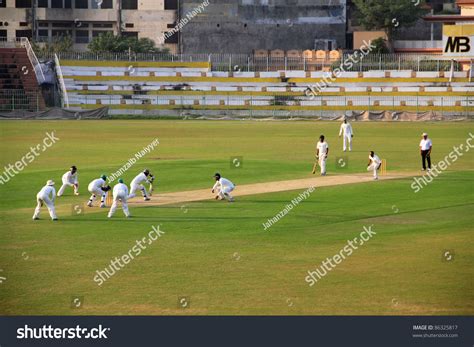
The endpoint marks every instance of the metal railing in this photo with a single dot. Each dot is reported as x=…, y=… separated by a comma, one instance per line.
x=12, y=100
x=242, y=62
x=25, y=43
x=59, y=74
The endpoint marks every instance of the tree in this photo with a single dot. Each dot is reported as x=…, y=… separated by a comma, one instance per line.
x=108, y=42
x=388, y=15
x=380, y=46
x=58, y=44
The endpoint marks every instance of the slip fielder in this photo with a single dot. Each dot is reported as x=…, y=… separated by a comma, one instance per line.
x=120, y=194
x=70, y=179
x=46, y=196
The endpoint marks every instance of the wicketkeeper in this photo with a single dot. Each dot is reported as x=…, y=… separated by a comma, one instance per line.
x=100, y=188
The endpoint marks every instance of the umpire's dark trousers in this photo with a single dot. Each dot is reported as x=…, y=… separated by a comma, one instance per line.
x=425, y=156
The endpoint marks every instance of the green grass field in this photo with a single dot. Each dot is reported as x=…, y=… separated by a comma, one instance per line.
x=216, y=254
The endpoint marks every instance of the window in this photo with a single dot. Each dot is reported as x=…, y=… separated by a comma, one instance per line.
x=82, y=36
x=67, y=4
x=130, y=34
x=43, y=3
x=171, y=25
x=62, y=25
x=23, y=24
x=59, y=32
x=173, y=39
x=129, y=4
x=82, y=3
x=56, y=3
x=103, y=4
x=43, y=35
x=3, y=4
x=23, y=33
x=129, y=25
x=171, y=4
x=102, y=25
x=22, y=3
x=3, y=33
x=97, y=33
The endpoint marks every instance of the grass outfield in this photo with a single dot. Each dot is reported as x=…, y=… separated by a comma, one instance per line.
x=216, y=254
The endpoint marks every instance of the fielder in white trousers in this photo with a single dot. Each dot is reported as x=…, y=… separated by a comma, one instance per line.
x=95, y=188
x=46, y=196
x=70, y=179
x=374, y=164
x=347, y=133
x=120, y=194
x=136, y=184
x=322, y=152
x=223, y=187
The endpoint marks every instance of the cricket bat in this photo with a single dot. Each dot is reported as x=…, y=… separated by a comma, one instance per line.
x=315, y=166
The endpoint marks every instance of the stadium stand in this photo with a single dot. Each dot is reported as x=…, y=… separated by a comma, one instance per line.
x=147, y=87
x=19, y=87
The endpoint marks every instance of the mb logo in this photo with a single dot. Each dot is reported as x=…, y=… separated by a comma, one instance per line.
x=458, y=44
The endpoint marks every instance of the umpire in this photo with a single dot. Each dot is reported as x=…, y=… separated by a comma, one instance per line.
x=425, y=149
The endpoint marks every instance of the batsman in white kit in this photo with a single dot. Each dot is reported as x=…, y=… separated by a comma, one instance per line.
x=98, y=187
x=137, y=184
x=223, y=187
x=347, y=132
x=374, y=164
x=46, y=196
x=70, y=180
x=322, y=151
x=120, y=194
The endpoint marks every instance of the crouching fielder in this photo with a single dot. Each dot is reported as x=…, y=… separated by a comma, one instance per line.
x=374, y=164
x=223, y=187
x=136, y=184
x=98, y=187
x=120, y=194
x=70, y=180
x=46, y=196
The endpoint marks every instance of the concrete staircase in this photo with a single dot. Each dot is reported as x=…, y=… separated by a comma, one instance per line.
x=19, y=88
